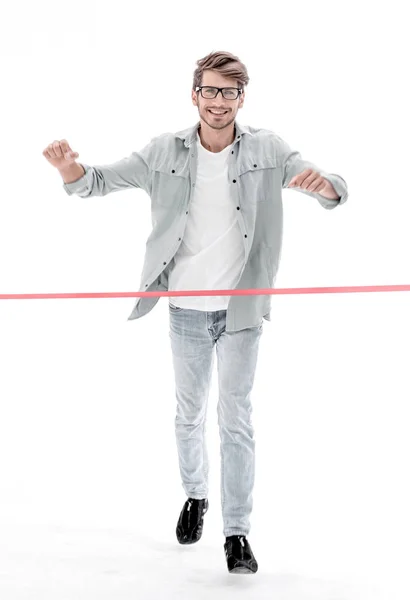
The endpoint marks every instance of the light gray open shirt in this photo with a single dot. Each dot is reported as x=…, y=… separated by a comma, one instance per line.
x=260, y=165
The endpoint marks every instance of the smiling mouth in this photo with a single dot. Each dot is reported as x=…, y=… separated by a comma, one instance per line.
x=217, y=114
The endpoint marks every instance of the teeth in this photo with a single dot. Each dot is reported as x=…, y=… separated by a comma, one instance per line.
x=217, y=113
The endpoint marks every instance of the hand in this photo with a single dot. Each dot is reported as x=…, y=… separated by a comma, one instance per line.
x=60, y=155
x=312, y=181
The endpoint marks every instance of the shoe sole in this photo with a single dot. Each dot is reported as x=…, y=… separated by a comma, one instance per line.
x=188, y=542
x=242, y=571
x=242, y=567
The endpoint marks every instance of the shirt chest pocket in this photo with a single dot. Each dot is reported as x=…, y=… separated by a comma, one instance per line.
x=169, y=183
x=259, y=177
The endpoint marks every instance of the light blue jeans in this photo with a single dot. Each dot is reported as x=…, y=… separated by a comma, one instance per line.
x=193, y=336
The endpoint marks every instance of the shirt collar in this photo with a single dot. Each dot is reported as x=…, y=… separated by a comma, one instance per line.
x=189, y=135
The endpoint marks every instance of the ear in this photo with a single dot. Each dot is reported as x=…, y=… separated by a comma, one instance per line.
x=194, y=98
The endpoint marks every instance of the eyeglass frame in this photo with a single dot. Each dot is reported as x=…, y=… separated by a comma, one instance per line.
x=229, y=87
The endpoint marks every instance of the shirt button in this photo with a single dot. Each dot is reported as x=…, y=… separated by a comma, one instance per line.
x=193, y=185
x=234, y=180
x=146, y=285
x=166, y=263
x=173, y=171
x=179, y=239
x=238, y=208
x=255, y=165
x=245, y=236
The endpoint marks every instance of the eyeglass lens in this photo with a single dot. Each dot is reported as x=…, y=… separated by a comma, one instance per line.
x=228, y=93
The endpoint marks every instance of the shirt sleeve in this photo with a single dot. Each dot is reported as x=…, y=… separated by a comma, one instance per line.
x=293, y=164
x=99, y=180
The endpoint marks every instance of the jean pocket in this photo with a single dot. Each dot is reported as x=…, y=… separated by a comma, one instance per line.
x=174, y=308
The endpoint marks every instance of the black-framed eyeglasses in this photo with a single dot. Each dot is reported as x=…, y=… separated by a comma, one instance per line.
x=229, y=93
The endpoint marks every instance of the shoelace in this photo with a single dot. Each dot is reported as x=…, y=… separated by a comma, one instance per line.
x=241, y=539
x=189, y=513
x=201, y=512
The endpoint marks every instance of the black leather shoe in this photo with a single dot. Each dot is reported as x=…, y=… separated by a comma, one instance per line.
x=191, y=520
x=239, y=555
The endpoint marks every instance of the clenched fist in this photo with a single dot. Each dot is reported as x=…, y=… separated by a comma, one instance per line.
x=60, y=155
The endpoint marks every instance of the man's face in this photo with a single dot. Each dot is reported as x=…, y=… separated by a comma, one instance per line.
x=205, y=105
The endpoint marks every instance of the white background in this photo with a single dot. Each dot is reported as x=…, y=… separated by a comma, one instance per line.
x=89, y=483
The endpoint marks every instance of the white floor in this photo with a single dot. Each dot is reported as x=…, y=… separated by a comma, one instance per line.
x=65, y=562
x=89, y=483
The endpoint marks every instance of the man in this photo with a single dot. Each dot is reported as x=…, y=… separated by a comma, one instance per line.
x=217, y=214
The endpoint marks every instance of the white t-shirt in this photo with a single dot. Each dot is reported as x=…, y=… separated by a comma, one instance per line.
x=212, y=251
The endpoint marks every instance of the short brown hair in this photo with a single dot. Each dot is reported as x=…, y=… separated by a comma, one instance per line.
x=225, y=63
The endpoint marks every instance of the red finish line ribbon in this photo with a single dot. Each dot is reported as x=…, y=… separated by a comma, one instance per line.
x=252, y=292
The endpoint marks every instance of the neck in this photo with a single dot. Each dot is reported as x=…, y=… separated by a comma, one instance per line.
x=216, y=140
